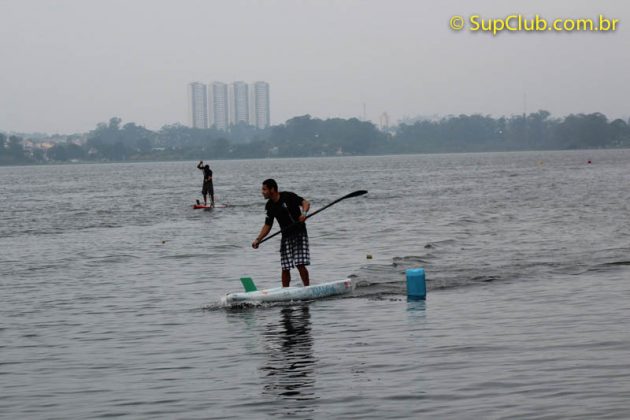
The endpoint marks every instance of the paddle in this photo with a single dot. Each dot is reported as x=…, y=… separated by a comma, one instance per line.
x=352, y=194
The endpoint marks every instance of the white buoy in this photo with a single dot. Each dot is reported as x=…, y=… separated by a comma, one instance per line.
x=416, y=285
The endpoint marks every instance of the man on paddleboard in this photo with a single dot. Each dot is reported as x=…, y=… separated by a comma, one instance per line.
x=207, y=188
x=290, y=210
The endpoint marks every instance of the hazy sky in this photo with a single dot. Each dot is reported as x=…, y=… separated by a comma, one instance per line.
x=66, y=65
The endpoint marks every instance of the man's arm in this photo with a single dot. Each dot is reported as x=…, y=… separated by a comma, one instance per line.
x=200, y=166
x=263, y=232
x=306, y=206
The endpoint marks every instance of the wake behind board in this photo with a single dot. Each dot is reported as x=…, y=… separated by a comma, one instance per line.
x=208, y=206
x=286, y=294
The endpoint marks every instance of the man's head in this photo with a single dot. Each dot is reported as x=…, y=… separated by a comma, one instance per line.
x=207, y=166
x=269, y=188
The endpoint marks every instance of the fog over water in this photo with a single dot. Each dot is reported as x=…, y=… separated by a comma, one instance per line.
x=68, y=65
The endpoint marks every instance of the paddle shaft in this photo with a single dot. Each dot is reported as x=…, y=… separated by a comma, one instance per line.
x=352, y=194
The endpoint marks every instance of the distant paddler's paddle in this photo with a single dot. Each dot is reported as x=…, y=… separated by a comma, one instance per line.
x=352, y=194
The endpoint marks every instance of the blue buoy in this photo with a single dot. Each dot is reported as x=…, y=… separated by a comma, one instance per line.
x=416, y=286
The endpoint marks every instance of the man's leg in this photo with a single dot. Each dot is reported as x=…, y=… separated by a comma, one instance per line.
x=285, y=262
x=304, y=274
x=301, y=256
x=286, y=278
x=205, y=191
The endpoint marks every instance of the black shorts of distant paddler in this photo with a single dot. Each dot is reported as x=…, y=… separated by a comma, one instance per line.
x=294, y=251
x=207, y=188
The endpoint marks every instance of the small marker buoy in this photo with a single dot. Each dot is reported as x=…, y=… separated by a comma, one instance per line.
x=416, y=285
x=589, y=162
x=163, y=242
x=369, y=256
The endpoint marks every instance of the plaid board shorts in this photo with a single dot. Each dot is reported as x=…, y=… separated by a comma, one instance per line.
x=294, y=251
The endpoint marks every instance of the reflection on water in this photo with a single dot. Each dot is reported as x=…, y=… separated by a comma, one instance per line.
x=288, y=372
x=417, y=307
x=416, y=315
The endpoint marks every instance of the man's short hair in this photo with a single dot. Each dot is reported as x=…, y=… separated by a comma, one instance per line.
x=271, y=184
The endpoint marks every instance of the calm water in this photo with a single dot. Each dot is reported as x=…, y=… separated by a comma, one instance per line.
x=110, y=283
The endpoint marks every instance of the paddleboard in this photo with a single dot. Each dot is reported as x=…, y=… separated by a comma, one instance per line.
x=285, y=294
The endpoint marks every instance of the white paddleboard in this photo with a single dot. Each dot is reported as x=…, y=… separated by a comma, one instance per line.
x=285, y=294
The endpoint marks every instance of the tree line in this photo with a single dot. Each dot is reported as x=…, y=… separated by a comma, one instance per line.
x=304, y=136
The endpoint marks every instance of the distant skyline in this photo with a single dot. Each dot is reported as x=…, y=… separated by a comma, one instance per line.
x=221, y=105
x=69, y=64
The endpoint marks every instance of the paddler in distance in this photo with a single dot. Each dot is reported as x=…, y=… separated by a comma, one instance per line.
x=208, y=187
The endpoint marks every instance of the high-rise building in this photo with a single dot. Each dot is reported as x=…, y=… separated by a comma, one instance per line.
x=239, y=102
x=219, y=103
x=198, y=105
x=261, y=104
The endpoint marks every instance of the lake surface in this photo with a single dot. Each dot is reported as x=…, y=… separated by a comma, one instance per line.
x=110, y=286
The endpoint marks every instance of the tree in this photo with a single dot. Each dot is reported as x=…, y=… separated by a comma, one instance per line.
x=114, y=123
x=583, y=131
x=16, y=149
x=63, y=152
x=619, y=133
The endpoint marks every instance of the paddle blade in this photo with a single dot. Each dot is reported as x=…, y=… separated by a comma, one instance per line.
x=356, y=193
x=248, y=284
